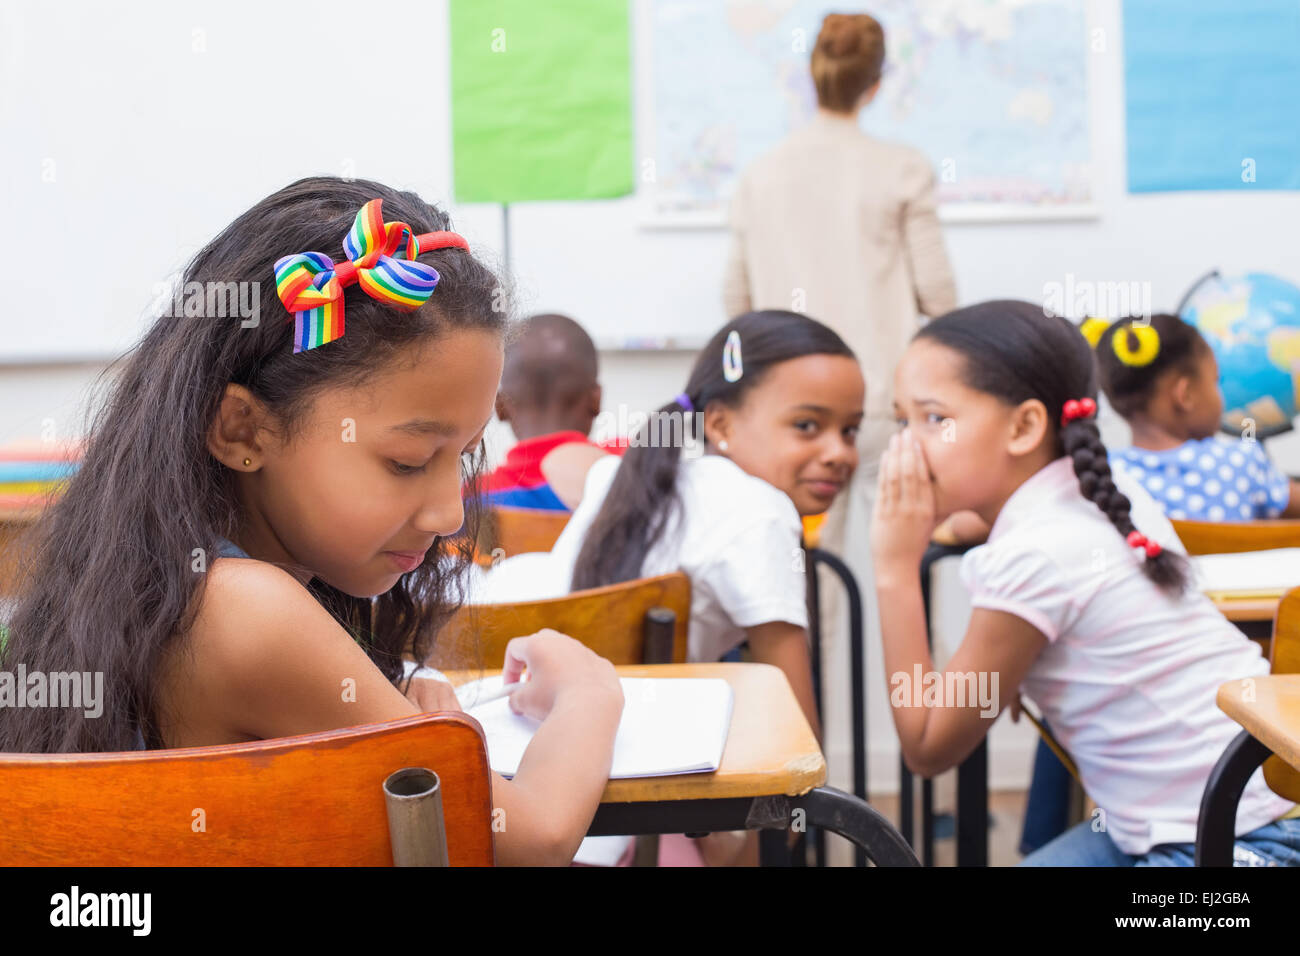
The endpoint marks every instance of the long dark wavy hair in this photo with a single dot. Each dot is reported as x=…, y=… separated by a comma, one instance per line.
x=108, y=581
x=643, y=496
x=1013, y=351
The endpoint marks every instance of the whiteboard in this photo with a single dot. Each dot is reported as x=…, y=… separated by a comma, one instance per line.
x=132, y=134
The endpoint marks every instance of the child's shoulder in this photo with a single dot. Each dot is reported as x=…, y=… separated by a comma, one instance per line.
x=242, y=603
x=722, y=486
x=254, y=623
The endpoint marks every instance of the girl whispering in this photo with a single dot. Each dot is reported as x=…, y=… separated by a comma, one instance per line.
x=1081, y=597
x=262, y=511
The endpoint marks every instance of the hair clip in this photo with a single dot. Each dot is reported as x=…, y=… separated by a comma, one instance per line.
x=1077, y=408
x=1136, y=539
x=380, y=259
x=1093, y=328
x=1145, y=350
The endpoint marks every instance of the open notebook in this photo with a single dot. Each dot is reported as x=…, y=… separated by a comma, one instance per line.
x=1249, y=574
x=669, y=725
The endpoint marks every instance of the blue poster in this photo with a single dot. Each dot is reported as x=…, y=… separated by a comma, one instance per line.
x=1212, y=90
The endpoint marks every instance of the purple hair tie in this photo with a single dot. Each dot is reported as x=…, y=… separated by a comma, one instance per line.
x=685, y=401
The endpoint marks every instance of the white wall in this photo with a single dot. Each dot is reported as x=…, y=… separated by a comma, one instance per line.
x=590, y=257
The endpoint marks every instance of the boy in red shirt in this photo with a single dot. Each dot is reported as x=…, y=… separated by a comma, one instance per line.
x=550, y=397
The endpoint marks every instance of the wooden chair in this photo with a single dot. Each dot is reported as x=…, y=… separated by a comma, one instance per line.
x=1284, y=658
x=635, y=622
x=1233, y=537
x=311, y=800
x=519, y=531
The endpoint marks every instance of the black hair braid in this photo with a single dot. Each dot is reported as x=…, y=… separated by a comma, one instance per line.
x=1082, y=442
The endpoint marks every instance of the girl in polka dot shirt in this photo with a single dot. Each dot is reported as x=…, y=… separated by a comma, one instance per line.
x=1163, y=379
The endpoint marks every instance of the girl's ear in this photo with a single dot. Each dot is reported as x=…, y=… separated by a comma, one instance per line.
x=1028, y=427
x=1182, y=392
x=234, y=435
x=502, y=406
x=717, y=423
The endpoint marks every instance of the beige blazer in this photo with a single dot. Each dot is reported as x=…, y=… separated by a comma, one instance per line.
x=842, y=227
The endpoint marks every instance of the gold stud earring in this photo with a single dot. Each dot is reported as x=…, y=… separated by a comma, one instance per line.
x=247, y=462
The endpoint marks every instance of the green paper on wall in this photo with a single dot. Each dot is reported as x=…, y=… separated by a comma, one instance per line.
x=541, y=99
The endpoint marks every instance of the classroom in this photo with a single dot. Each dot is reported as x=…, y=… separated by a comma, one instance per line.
x=656, y=434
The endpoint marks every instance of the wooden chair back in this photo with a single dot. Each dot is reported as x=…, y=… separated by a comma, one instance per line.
x=311, y=800
x=634, y=622
x=519, y=531
x=1233, y=537
x=1284, y=658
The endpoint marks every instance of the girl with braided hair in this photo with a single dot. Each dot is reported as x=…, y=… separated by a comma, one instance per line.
x=1081, y=597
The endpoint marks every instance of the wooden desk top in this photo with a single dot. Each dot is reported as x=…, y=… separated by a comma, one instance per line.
x=1273, y=717
x=1248, y=609
x=770, y=748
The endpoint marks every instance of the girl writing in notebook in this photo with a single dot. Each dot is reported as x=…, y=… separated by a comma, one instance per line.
x=1081, y=597
x=254, y=537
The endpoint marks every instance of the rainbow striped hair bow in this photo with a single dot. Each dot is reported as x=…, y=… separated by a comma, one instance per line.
x=380, y=259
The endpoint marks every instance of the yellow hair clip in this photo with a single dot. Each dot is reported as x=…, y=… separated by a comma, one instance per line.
x=1148, y=345
x=1093, y=328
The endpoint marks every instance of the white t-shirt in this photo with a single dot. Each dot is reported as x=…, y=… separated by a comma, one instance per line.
x=1128, y=679
x=735, y=536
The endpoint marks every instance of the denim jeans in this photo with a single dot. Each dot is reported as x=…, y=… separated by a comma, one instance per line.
x=1274, y=844
x=1047, y=807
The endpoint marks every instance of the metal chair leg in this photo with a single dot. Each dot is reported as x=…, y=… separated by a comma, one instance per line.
x=1216, y=825
x=859, y=822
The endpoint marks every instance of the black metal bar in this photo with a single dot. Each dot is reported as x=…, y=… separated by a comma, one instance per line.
x=814, y=627
x=906, y=821
x=1216, y=826
x=972, y=843
x=858, y=694
x=824, y=807
x=657, y=646
x=774, y=848
x=927, y=821
x=855, y=819
x=818, y=837
x=973, y=808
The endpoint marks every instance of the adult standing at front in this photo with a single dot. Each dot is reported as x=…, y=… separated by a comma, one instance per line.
x=842, y=227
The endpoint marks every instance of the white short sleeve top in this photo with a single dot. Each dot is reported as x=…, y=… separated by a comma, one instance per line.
x=1128, y=678
x=735, y=536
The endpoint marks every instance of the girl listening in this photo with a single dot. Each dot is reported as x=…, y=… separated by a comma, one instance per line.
x=779, y=398
x=261, y=510
x=1162, y=377
x=1081, y=597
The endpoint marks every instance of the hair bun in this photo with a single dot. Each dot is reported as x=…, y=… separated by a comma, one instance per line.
x=840, y=36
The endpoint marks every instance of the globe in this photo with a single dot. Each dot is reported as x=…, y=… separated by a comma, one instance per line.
x=1252, y=323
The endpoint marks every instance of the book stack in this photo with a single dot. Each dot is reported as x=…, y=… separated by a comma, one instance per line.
x=33, y=472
